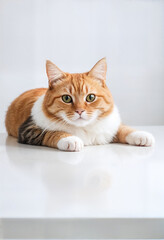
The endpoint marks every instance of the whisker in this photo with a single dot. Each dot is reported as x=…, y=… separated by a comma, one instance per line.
x=45, y=129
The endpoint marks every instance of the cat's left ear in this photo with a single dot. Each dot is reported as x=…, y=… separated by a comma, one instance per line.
x=98, y=72
x=54, y=74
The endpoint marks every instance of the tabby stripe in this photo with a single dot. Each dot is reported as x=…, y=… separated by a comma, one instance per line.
x=52, y=101
x=101, y=96
x=30, y=133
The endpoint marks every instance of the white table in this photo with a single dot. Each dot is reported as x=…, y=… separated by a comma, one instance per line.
x=109, y=191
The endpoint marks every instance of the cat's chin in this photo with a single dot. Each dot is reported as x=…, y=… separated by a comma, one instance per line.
x=80, y=122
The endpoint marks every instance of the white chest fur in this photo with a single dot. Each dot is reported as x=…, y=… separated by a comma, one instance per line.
x=100, y=132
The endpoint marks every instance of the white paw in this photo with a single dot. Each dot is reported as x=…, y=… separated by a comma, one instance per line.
x=140, y=138
x=72, y=143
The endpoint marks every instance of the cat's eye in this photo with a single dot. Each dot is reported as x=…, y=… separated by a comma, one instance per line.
x=90, y=98
x=66, y=98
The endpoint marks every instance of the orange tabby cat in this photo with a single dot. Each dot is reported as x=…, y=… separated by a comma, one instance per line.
x=76, y=110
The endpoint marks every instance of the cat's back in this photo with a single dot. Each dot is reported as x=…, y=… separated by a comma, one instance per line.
x=20, y=109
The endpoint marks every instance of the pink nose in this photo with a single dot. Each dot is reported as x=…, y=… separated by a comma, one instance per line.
x=79, y=111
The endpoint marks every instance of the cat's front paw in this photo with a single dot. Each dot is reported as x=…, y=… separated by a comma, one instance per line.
x=140, y=138
x=71, y=143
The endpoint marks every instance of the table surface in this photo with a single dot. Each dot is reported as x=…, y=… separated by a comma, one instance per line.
x=113, y=181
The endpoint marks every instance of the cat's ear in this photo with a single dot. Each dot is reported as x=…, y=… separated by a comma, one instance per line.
x=54, y=74
x=98, y=72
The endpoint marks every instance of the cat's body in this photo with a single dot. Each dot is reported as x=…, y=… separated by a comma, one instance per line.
x=76, y=110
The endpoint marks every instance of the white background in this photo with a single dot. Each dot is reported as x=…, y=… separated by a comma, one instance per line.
x=75, y=34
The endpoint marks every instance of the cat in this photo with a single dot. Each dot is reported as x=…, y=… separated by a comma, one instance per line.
x=75, y=110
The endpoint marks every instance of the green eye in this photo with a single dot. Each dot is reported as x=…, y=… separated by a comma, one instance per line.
x=66, y=98
x=90, y=98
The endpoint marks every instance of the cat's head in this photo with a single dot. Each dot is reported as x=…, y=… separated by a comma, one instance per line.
x=77, y=99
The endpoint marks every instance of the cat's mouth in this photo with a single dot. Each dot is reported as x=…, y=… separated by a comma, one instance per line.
x=80, y=117
x=79, y=121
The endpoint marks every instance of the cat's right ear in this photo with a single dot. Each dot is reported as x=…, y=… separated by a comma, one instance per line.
x=54, y=74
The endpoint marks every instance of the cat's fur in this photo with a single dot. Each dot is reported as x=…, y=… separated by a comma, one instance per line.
x=41, y=117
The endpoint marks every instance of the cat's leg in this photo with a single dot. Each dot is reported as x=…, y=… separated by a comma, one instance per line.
x=63, y=141
x=30, y=133
x=131, y=136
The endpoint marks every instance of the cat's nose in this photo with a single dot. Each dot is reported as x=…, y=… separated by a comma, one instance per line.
x=79, y=111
